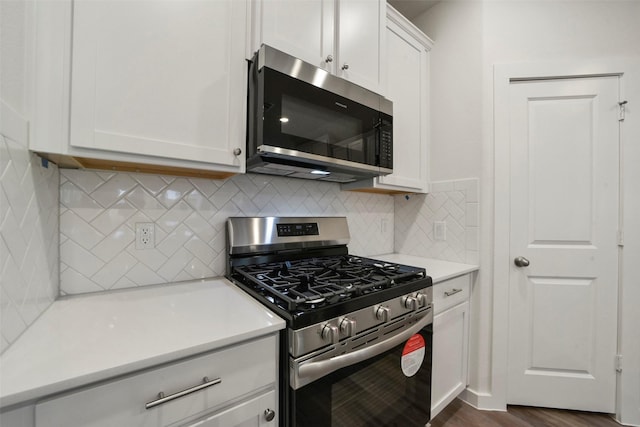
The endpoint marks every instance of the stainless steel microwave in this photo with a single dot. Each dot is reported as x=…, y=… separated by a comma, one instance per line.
x=306, y=123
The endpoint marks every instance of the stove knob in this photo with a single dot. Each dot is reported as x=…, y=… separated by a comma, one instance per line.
x=383, y=313
x=330, y=332
x=410, y=302
x=422, y=299
x=348, y=327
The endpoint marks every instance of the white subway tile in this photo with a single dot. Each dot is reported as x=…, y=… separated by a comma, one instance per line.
x=175, y=240
x=174, y=216
x=79, y=230
x=80, y=259
x=144, y=201
x=472, y=238
x=87, y=181
x=174, y=192
x=112, y=218
x=151, y=183
x=114, y=243
x=113, y=190
x=109, y=275
x=442, y=186
x=473, y=214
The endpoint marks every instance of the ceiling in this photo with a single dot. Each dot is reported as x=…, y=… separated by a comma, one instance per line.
x=412, y=8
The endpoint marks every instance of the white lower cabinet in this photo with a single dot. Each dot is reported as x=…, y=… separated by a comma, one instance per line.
x=450, y=341
x=248, y=414
x=242, y=393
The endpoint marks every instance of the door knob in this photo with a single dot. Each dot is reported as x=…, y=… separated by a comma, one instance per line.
x=521, y=261
x=269, y=414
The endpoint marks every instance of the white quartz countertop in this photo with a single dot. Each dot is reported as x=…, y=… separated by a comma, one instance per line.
x=439, y=270
x=83, y=339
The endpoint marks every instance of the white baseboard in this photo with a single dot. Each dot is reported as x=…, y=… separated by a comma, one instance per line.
x=483, y=401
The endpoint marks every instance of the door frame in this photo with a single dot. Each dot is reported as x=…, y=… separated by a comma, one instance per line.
x=628, y=70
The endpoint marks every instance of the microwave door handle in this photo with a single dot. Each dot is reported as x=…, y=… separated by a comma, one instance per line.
x=311, y=371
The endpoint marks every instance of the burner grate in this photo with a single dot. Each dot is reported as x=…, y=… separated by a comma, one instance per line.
x=314, y=282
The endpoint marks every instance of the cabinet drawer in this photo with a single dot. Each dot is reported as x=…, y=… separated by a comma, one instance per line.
x=241, y=369
x=450, y=292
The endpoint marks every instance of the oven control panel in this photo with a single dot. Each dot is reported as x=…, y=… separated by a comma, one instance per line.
x=300, y=229
x=351, y=326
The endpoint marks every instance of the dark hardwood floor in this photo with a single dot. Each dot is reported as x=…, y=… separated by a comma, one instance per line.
x=459, y=414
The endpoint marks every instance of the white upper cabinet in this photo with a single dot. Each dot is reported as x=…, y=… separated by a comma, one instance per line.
x=360, y=43
x=407, y=62
x=158, y=82
x=344, y=37
x=303, y=29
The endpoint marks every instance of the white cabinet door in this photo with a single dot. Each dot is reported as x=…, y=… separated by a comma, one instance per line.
x=304, y=29
x=407, y=74
x=343, y=37
x=450, y=353
x=242, y=370
x=407, y=86
x=252, y=413
x=360, y=41
x=160, y=78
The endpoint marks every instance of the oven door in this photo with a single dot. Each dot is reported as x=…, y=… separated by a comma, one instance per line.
x=390, y=389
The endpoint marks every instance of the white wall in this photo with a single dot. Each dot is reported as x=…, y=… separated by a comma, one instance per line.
x=507, y=32
x=28, y=190
x=456, y=88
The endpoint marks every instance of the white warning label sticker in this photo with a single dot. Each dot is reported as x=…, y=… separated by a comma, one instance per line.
x=413, y=355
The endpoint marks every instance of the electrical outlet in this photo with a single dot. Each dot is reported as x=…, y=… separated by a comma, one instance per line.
x=384, y=225
x=440, y=230
x=145, y=235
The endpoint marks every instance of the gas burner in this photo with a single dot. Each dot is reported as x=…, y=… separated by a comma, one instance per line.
x=310, y=283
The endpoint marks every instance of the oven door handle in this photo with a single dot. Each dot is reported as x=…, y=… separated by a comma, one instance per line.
x=308, y=372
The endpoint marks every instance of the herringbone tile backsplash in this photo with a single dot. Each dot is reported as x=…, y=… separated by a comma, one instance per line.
x=99, y=212
x=454, y=203
x=28, y=237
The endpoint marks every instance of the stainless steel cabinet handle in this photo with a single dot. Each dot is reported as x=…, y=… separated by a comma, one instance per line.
x=452, y=292
x=521, y=261
x=329, y=59
x=269, y=414
x=237, y=151
x=345, y=66
x=164, y=399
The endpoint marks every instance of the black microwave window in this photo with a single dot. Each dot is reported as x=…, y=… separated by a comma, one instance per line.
x=302, y=117
x=338, y=134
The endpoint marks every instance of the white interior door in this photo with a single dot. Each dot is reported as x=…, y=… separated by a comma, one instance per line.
x=564, y=138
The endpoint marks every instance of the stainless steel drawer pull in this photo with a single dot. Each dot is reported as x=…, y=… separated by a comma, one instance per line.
x=164, y=399
x=452, y=292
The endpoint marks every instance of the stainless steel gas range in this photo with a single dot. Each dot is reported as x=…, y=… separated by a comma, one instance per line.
x=357, y=348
